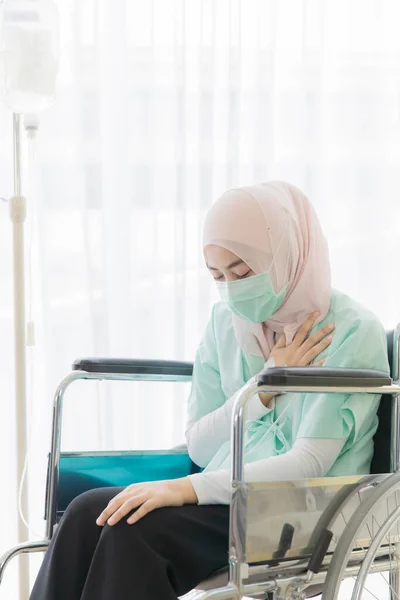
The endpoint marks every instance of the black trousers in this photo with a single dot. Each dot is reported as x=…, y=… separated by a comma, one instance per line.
x=161, y=557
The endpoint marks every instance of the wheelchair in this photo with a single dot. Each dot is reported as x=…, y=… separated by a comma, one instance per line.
x=287, y=540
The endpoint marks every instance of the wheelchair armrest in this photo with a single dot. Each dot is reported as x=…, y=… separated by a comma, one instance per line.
x=132, y=366
x=324, y=377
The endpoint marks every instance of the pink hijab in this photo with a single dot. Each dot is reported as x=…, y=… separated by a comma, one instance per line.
x=274, y=226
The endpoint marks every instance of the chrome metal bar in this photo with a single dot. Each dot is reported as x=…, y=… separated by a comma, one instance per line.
x=224, y=593
x=25, y=548
x=236, y=533
x=395, y=416
x=394, y=437
x=133, y=377
x=299, y=566
x=51, y=495
x=237, y=431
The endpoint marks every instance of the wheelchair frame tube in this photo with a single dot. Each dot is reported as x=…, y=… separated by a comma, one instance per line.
x=237, y=541
x=394, y=438
x=51, y=492
x=395, y=408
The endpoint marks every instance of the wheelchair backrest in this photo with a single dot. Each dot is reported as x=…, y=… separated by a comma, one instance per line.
x=381, y=459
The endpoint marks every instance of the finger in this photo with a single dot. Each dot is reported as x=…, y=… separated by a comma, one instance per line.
x=126, y=508
x=126, y=491
x=281, y=343
x=112, y=507
x=317, y=336
x=305, y=329
x=316, y=350
x=142, y=511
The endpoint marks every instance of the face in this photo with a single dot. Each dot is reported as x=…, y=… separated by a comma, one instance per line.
x=225, y=265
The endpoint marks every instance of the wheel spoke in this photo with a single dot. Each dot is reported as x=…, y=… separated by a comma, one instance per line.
x=390, y=554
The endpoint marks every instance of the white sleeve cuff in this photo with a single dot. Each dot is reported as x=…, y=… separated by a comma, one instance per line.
x=213, y=487
x=255, y=409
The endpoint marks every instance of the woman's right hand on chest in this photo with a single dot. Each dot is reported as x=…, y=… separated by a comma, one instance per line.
x=304, y=348
x=302, y=351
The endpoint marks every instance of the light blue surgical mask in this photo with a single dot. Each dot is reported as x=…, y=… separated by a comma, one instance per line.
x=253, y=298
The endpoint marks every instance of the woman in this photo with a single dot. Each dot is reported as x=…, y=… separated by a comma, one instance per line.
x=265, y=248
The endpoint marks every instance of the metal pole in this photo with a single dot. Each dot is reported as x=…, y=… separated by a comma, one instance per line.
x=17, y=154
x=18, y=214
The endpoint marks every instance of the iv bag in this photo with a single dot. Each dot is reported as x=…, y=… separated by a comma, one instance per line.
x=29, y=47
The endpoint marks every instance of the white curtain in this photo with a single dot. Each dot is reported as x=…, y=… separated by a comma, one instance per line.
x=161, y=106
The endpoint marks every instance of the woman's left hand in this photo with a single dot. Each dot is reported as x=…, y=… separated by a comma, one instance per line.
x=145, y=497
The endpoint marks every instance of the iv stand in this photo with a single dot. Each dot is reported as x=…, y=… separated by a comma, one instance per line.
x=18, y=215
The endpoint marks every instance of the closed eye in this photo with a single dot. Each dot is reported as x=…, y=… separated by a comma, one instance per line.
x=221, y=277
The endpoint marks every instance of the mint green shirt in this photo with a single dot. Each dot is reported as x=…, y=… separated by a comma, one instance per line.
x=221, y=368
